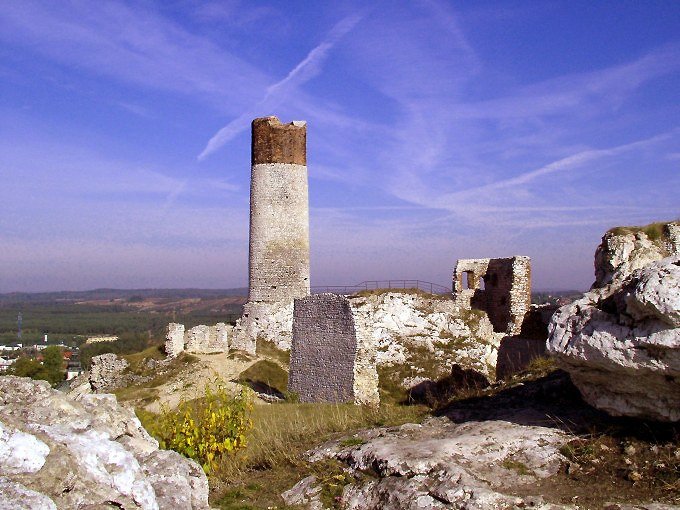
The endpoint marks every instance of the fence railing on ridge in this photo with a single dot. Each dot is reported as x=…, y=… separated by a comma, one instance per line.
x=432, y=288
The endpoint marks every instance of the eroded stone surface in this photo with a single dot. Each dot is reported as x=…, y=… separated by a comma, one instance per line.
x=207, y=339
x=98, y=454
x=105, y=370
x=174, y=340
x=200, y=339
x=400, y=325
x=442, y=464
x=270, y=321
x=621, y=344
x=626, y=249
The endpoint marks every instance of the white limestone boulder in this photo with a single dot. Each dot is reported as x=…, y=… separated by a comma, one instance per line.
x=57, y=451
x=626, y=249
x=621, y=343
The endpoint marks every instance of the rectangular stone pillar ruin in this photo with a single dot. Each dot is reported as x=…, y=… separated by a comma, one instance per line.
x=500, y=287
x=330, y=360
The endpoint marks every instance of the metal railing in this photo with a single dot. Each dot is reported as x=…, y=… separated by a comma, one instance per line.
x=432, y=288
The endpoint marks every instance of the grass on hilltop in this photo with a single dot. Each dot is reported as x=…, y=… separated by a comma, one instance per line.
x=654, y=231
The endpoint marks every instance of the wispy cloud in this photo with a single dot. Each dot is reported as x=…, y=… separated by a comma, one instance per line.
x=566, y=164
x=304, y=71
x=135, y=46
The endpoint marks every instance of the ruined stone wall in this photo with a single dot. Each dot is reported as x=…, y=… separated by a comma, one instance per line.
x=279, y=212
x=198, y=340
x=506, y=292
x=174, y=339
x=325, y=362
x=207, y=339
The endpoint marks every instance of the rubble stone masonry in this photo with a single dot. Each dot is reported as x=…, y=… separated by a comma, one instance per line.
x=279, y=212
x=198, y=340
x=501, y=287
x=326, y=364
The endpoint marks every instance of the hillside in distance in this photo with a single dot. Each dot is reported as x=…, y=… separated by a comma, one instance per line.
x=159, y=300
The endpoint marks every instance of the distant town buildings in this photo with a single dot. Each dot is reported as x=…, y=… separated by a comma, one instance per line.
x=101, y=338
x=5, y=363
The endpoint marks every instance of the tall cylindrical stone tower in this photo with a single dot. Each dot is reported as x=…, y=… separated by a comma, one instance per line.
x=279, y=212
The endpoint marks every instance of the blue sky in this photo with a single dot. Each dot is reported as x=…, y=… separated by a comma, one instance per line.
x=436, y=131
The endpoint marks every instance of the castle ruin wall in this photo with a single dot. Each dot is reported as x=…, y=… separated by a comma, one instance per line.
x=330, y=360
x=198, y=340
x=501, y=287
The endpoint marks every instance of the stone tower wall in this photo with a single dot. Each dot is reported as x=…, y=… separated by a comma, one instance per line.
x=279, y=212
x=506, y=296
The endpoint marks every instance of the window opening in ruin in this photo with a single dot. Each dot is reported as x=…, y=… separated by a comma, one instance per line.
x=482, y=283
x=466, y=279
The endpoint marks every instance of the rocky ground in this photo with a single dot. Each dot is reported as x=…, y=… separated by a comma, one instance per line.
x=530, y=444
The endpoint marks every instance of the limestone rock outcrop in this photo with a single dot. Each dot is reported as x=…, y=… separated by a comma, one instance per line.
x=621, y=343
x=105, y=371
x=625, y=249
x=402, y=324
x=270, y=321
x=442, y=464
x=88, y=452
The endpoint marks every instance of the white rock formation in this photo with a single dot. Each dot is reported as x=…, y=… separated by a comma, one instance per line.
x=625, y=249
x=269, y=321
x=399, y=323
x=105, y=369
x=441, y=464
x=621, y=343
x=60, y=452
x=365, y=373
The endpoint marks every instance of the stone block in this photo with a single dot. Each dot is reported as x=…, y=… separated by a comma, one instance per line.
x=326, y=363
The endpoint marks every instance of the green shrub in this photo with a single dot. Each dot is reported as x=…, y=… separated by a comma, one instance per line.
x=205, y=429
x=50, y=370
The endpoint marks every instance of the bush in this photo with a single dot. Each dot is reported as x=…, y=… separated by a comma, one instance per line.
x=50, y=370
x=206, y=429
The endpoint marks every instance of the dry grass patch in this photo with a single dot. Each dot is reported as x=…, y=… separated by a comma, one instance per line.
x=267, y=349
x=151, y=375
x=654, y=231
x=273, y=461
